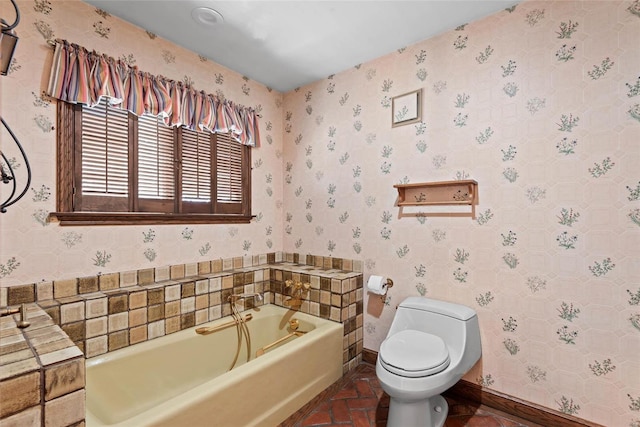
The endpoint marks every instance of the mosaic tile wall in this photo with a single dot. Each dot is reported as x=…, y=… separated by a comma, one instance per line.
x=41, y=373
x=539, y=103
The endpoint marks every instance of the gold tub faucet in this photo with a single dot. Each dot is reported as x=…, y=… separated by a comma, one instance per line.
x=298, y=289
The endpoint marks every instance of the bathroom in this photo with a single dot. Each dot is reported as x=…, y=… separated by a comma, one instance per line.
x=540, y=104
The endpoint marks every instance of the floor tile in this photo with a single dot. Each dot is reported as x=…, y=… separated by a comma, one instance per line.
x=317, y=419
x=361, y=402
x=340, y=411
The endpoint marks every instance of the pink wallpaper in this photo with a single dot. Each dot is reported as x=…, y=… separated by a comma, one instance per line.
x=539, y=104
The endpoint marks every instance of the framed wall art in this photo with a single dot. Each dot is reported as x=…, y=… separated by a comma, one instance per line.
x=406, y=108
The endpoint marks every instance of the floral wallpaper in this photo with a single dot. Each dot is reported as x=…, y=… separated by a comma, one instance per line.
x=33, y=249
x=540, y=104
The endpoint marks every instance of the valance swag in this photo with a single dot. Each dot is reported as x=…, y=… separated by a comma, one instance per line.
x=80, y=76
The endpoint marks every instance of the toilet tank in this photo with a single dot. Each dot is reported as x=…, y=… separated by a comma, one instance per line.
x=456, y=324
x=455, y=311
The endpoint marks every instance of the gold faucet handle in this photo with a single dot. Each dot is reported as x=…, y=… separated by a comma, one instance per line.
x=288, y=283
x=306, y=286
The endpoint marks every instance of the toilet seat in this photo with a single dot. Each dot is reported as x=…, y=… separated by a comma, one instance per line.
x=413, y=354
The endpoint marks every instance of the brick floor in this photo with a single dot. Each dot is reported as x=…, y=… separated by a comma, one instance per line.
x=361, y=402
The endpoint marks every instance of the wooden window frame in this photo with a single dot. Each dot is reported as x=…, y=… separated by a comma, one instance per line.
x=69, y=177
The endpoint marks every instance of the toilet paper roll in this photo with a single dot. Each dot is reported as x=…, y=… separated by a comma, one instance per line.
x=377, y=285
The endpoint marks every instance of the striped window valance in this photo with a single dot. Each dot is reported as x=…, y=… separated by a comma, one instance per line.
x=84, y=77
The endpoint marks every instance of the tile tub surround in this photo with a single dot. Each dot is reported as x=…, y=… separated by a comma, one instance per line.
x=112, y=311
x=42, y=373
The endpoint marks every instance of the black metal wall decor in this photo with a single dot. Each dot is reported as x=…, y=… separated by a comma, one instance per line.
x=8, y=42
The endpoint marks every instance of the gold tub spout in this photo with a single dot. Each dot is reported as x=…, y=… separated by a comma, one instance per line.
x=293, y=302
x=206, y=330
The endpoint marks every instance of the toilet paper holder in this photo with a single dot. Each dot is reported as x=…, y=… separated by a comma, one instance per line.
x=388, y=285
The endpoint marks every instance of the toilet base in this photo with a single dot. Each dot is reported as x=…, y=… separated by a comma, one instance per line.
x=424, y=413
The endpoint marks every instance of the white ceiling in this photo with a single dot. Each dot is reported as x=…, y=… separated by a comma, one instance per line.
x=287, y=44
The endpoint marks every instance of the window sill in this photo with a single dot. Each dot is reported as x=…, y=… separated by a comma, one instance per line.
x=140, y=218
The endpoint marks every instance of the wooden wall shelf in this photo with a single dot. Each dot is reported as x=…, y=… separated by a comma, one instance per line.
x=440, y=193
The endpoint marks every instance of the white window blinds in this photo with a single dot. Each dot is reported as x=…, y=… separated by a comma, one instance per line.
x=156, y=174
x=196, y=166
x=128, y=163
x=228, y=170
x=105, y=151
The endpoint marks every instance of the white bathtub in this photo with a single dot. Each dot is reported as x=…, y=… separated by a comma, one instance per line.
x=182, y=379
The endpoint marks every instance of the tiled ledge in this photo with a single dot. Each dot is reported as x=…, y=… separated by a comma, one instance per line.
x=41, y=373
x=111, y=311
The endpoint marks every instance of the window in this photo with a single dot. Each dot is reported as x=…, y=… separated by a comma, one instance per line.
x=117, y=168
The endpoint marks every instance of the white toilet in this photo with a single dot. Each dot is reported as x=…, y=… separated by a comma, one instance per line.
x=430, y=346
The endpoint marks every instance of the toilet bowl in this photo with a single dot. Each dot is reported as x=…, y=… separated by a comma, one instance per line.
x=431, y=344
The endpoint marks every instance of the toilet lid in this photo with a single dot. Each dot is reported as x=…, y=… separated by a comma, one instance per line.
x=412, y=353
